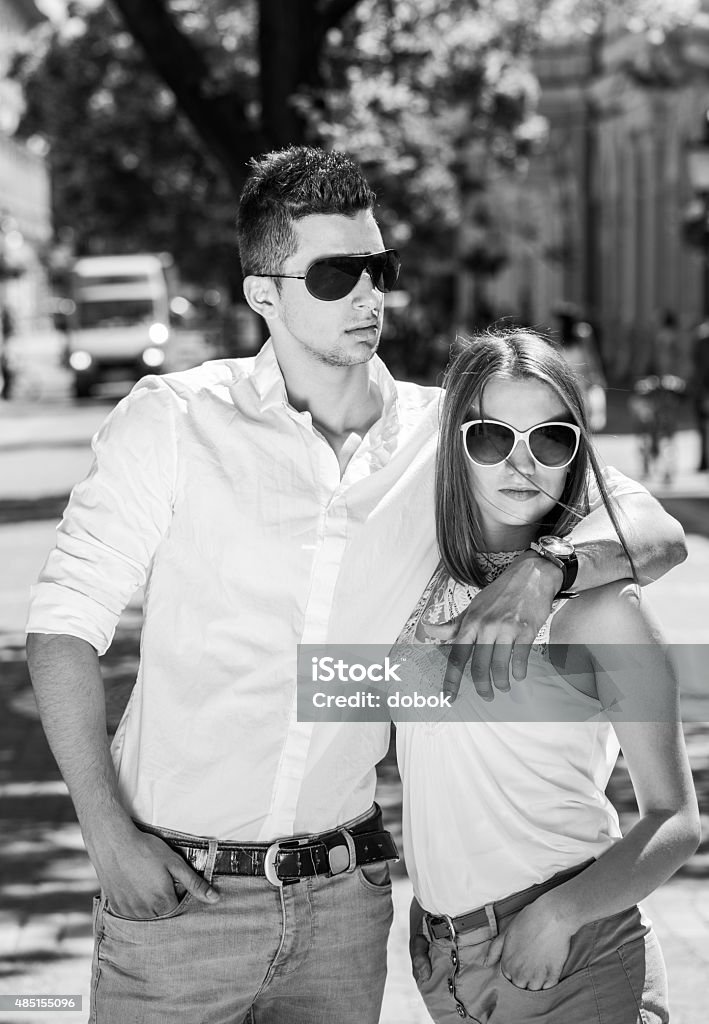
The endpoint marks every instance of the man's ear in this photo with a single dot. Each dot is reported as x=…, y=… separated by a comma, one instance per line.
x=261, y=295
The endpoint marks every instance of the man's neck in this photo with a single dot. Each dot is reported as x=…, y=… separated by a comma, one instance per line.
x=342, y=400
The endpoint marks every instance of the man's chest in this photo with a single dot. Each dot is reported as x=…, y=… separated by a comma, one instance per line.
x=268, y=505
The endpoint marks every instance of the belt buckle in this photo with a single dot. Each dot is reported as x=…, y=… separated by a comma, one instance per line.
x=436, y=920
x=270, y=865
x=335, y=855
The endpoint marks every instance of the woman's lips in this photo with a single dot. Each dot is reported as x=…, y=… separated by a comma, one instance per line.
x=519, y=495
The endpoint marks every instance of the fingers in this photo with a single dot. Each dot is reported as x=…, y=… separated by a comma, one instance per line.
x=500, y=665
x=520, y=659
x=149, y=879
x=480, y=670
x=193, y=883
x=532, y=983
x=443, y=631
x=420, y=962
x=490, y=665
x=522, y=971
x=495, y=654
x=457, y=660
x=495, y=951
x=179, y=871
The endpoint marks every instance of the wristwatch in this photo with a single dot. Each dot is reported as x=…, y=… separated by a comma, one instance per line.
x=561, y=552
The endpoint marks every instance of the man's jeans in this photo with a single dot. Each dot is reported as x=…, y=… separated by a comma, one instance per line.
x=309, y=953
x=614, y=974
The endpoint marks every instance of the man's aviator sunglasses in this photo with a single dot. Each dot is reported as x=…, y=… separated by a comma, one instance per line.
x=333, y=277
x=552, y=445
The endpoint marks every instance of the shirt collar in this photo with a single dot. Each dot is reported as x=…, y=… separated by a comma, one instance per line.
x=267, y=380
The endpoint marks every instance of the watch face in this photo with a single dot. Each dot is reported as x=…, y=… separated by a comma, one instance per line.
x=557, y=546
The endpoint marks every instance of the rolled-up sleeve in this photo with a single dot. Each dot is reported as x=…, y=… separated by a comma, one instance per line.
x=617, y=483
x=114, y=521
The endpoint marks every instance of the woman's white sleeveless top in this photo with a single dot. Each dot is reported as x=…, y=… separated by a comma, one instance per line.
x=499, y=802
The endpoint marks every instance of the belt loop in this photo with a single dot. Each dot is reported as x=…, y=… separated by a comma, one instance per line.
x=347, y=836
x=491, y=919
x=211, y=859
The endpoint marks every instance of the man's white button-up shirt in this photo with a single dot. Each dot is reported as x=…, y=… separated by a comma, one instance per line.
x=212, y=490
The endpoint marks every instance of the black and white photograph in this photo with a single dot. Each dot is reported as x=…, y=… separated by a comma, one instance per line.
x=354, y=511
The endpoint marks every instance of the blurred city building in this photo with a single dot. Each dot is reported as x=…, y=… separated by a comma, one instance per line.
x=25, y=214
x=598, y=221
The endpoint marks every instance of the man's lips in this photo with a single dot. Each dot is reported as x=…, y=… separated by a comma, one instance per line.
x=370, y=325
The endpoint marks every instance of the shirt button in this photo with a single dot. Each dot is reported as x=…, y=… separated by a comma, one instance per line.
x=461, y=1010
x=450, y=986
x=454, y=957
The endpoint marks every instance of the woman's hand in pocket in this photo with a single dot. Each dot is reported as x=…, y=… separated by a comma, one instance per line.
x=533, y=949
x=418, y=944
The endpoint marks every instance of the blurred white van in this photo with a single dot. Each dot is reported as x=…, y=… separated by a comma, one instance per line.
x=118, y=319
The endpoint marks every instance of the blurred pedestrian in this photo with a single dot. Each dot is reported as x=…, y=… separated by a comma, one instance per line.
x=7, y=371
x=666, y=353
x=656, y=402
x=700, y=390
x=580, y=350
x=655, y=405
x=270, y=501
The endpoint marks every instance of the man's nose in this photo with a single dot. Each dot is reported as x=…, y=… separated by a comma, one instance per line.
x=365, y=292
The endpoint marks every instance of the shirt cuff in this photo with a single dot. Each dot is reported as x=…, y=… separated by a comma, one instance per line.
x=60, y=610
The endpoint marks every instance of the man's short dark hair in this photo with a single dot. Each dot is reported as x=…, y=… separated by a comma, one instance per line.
x=285, y=186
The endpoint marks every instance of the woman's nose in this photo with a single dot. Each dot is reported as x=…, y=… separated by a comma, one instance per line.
x=521, y=458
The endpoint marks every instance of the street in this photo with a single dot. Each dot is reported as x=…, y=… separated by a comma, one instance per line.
x=47, y=881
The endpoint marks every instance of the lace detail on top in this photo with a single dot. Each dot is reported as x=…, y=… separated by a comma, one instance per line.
x=493, y=563
x=444, y=598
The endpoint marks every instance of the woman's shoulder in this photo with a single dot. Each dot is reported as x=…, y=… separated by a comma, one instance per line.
x=613, y=613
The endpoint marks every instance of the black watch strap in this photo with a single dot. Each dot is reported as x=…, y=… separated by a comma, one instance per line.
x=570, y=569
x=568, y=563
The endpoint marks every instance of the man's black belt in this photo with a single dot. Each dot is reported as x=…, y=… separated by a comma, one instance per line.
x=444, y=927
x=289, y=860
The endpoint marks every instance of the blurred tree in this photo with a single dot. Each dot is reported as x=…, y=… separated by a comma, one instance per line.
x=128, y=173
x=193, y=45
x=148, y=144
x=435, y=97
x=152, y=116
x=439, y=100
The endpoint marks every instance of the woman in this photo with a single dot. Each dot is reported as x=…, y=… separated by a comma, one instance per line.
x=526, y=891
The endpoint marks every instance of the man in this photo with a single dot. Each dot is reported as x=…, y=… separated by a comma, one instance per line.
x=270, y=501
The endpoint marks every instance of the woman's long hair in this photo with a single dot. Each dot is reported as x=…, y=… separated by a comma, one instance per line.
x=506, y=355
